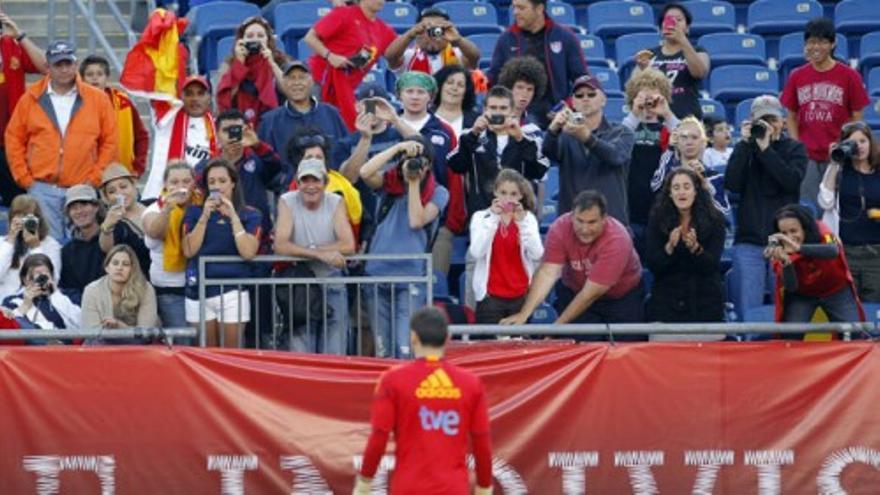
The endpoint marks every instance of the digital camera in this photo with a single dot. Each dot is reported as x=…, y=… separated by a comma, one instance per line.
x=31, y=223
x=253, y=47
x=496, y=119
x=576, y=118
x=844, y=152
x=435, y=32
x=42, y=281
x=415, y=164
x=360, y=59
x=759, y=129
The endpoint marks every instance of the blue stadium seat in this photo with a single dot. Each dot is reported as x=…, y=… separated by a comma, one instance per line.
x=613, y=18
x=869, y=52
x=615, y=109
x=791, y=51
x=472, y=17
x=778, y=17
x=737, y=82
x=551, y=184
x=459, y=249
x=609, y=79
x=399, y=15
x=544, y=314
x=224, y=49
x=857, y=16
x=549, y=214
x=294, y=19
x=734, y=48
x=874, y=82
x=711, y=16
x=594, y=49
x=712, y=107
x=628, y=45
x=563, y=13
x=212, y=22
x=743, y=111
x=380, y=76
x=486, y=43
x=872, y=114
x=303, y=50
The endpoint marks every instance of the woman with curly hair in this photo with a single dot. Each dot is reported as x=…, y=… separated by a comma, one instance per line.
x=527, y=79
x=454, y=102
x=685, y=237
x=122, y=298
x=248, y=77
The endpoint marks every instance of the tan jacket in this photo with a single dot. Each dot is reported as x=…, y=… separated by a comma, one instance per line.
x=97, y=304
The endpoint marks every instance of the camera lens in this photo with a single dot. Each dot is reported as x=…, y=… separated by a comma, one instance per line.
x=435, y=32
x=759, y=129
x=844, y=151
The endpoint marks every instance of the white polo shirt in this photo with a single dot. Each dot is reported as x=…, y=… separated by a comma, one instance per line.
x=63, y=104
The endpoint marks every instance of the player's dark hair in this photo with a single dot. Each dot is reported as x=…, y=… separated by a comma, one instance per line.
x=430, y=325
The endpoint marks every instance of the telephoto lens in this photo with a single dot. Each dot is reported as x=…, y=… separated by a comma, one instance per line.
x=759, y=129
x=844, y=152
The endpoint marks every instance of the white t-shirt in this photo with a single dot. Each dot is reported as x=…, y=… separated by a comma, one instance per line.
x=713, y=158
x=456, y=125
x=198, y=146
x=418, y=124
x=158, y=276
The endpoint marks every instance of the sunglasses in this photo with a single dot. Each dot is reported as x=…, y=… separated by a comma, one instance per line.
x=585, y=95
x=310, y=140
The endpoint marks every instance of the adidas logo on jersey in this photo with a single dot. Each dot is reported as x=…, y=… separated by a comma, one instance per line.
x=438, y=386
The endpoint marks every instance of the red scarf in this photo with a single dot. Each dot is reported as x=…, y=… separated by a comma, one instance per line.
x=421, y=60
x=257, y=70
x=177, y=147
x=394, y=185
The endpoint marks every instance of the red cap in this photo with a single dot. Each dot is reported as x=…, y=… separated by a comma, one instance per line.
x=196, y=79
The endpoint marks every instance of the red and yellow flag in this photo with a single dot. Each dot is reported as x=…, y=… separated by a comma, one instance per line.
x=157, y=63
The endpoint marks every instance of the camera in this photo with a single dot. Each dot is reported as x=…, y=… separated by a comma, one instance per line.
x=42, y=281
x=576, y=118
x=214, y=195
x=370, y=106
x=844, y=152
x=773, y=243
x=435, y=32
x=253, y=47
x=759, y=129
x=496, y=119
x=31, y=223
x=361, y=58
x=412, y=166
x=235, y=132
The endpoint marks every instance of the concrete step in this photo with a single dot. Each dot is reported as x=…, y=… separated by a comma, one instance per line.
x=17, y=8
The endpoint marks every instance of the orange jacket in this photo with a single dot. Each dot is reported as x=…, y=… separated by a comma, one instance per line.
x=37, y=152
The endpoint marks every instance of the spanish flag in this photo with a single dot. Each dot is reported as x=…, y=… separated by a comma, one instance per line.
x=157, y=63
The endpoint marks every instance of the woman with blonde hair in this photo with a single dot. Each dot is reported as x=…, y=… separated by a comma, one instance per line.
x=122, y=298
x=28, y=234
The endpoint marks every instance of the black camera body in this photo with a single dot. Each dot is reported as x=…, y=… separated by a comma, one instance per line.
x=496, y=119
x=759, y=129
x=31, y=223
x=844, y=152
x=414, y=165
x=42, y=281
x=360, y=59
x=235, y=132
x=253, y=47
x=435, y=32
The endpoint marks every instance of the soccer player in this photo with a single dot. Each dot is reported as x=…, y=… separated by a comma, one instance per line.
x=432, y=407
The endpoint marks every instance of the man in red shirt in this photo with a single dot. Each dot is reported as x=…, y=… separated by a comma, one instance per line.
x=601, y=273
x=821, y=96
x=18, y=56
x=347, y=43
x=432, y=407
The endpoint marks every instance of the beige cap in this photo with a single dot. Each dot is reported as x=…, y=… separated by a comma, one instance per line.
x=313, y=167
x=115, y=171
x=80, y=192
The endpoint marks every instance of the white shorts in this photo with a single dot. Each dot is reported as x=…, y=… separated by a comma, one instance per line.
x=228, y=301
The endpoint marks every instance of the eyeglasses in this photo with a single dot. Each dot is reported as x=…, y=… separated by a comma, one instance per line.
x=585, y=95
x=855, y=126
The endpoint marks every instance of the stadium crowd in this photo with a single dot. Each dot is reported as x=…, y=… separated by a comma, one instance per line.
x=304, y=158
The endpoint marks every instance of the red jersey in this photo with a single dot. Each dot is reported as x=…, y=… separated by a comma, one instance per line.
x=432, y=407
x=823, y=102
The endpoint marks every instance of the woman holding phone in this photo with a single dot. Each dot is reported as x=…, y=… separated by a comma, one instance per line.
x=506, y=244
x=123, y=224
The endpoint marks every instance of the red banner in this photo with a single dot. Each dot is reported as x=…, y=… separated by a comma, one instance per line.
x=640, y=418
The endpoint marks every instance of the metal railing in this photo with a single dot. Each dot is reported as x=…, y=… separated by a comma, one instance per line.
x=96, y=34
x=264, y=295
x=165, y=335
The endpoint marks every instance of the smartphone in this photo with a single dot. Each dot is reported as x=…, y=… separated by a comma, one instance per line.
x=370, y=106
x=214, y=196
x=508, y=206
x=235, y=132
x=669, y=23
x=120, y=201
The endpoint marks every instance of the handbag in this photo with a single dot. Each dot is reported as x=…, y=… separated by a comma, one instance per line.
x=300, y=302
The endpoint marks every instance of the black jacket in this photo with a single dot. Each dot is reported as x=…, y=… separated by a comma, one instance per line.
x=766, y=181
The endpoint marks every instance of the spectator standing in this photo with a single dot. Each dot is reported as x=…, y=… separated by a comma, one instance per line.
x=600, y=272
x=685, y=237
x=223, y=225
x=123, y=298
x=683, y=63
x=37, y=301
x=821, y=96
x=28, y=234
x=811, y=270
x=401, y=396
x=122, y=223
x=81, y=258
x=506, y=244
x=62, y=133
x=163, y=222
x=556, y=47
x=651, y=120
x=718, y=153
x=850, y=196
x=592, y=152
x=347, y=42
x=411, y=200
x=19, y=56
x=185, y=131
x=134, y=139
x=300, y=109
x=767, y=174
x=313, y=224
x=248, y=78
x=438, y=44
x=526, y=78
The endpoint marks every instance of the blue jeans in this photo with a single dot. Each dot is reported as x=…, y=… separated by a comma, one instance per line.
x=325, y=335
x=840, y=306
x=390, y=310
x=51, y=200
x=172, y=314
x=750, y=278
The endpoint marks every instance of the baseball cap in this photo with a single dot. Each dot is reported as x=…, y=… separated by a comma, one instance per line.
x=371, y=90
x=115, y=171
x=312, y=167
x=60, y=50
x=295, y=64
x=80, y=192
x=587, y=80
x=766, y=105
x=196, y=79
